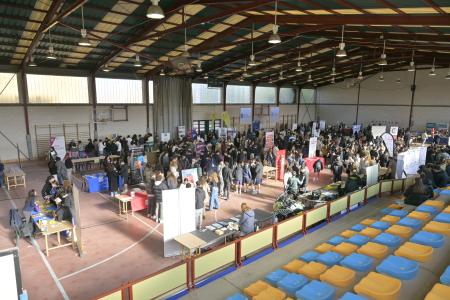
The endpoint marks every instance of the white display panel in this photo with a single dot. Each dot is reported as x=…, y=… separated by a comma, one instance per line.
x=8, y=284
x=372, y=175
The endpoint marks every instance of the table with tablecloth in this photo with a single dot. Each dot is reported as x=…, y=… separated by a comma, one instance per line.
x=309, y=161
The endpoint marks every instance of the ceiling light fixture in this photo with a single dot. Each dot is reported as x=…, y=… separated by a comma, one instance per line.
x=162, y=73
x=32, y=63
x=155, y=11
x=84, y=41
x=432, y=71
x=341, y=52
x=333, y=69
x=448, y=73
x=274, y=37
x=309, y=77
x=199, y=67
x=106, y=68
x=398, y=80
x=381, y=78
x=281, y=77
x=332, y=80
x=137, y=61
x=360, y=74
x=383, y=61
x=205, y=76
x=185, y=52
x=412, y=66
x=252, y=56
x=51, y=51
x=245, y=74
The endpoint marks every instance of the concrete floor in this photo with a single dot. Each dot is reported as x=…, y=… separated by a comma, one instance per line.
x=115, y=250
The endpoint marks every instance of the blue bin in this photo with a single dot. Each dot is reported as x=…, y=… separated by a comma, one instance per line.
x=237, y=296
x=399, y=267
x=386, y=210
x=97, y=183
x=316, y=290
x=292, y=283
x=398, y=213
x=443, y=218
x=428, y=209
x=381, y=225
x=358, y=240
x=435, y=240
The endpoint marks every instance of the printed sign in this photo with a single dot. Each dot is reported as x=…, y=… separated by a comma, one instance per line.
x=388, y=140
x=312, y=147
x=322, y=124
x=246, y=115
x=394, y=131
x=165, y=137
x=59, y=143
x=269, y=139
x=274, y=114
x=356, y=128
x=190, y=174
x=378, y=131
x=181, y=132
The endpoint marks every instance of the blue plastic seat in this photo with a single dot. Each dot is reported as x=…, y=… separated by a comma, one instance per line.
x=309, y=256
x=336, y=240
x=428, y=209
x=357, y=262
x=237, y=296
x=358, y=240
x=329, y=258
x=351, y=296
x=388, y=239
x=443, y=218
x=444, y=192
x=410, y=222
x=445, y=277
x=292, y=283
x=398, y=213
x=276, y=276
x=381, y=225
x=399, y=267
x=435, y=240
x=358, y=227
x=386, y=210
x=316, y=290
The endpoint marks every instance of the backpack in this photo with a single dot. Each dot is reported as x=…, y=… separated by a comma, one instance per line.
x=15, y=219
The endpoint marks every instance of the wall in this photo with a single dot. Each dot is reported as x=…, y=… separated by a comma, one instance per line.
x=12, y=123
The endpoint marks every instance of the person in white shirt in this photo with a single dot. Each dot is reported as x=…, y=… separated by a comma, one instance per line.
x=287, y=175
x=129, y=141
x=119, y=146
x=101, y=147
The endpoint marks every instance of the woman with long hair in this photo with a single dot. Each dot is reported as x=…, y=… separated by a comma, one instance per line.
x=418, y=192
x=214, y=196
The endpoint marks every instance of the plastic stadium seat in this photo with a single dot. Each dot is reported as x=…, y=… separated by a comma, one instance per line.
x=395, y=206
x=370, y=232
x=398, y=267
x=237, y=296
x=445, y=277
x=348, y=233
x=442, y=217
x=438, y=227
x=270, y=293
x=322, y=248
x=338, y=276
x=427, y=208
x=410, y=222
x=422, y=216
x=381, y=225
x=386, y=210
x=435, y=240
x=415, y=251
x=357, y=262
x=316, y=290
x=276, y=276
x=374, y=250
x=309, y=256
x=351, y=296
x=336, y=240
x=329, y=258
x=398, y=213
x=401, y=231
x=292, y=283
x=312, y=270
x=444, y=192
x=438, y=292
x=447, y=210
x=358, y=239
x=256, y=288
x=388, y=239
x=379, y=286
x=358, y=227
x=390, y=219
x=367, y=222
x=345, y=248
x=293, y=266
x=436, y=203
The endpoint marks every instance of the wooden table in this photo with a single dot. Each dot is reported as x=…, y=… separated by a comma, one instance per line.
x=269, y=172
x=56, y=228
x=190, y=242
x=123, y=204
x=14, y=176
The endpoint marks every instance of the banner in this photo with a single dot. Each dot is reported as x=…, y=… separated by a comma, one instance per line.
x=274, y=114
x=388, y=140
x=269, y=139
x=279, y=163
x=312, y=147
x=394, y=131
x=322, y=124
x=226, y=119
x=165, y=137
x=356, y=128
x=59, y=143
x=223, y=132
x=181, y=132
x=378, y=131
x=256, y=125
x=246, y=115
x=372, y=175
x=294, y=126
x=200, y=148
x=190, y=174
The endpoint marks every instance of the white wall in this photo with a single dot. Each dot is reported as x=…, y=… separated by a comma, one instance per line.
x=12, y=123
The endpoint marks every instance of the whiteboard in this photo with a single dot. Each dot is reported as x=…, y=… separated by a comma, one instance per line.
x=8, y=283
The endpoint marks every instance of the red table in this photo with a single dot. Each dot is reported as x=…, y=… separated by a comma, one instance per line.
x=310, y=163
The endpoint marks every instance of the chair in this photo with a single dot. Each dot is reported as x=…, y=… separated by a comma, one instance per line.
x=390, y=219
x=348, y=233
x=322, y=248
x=386, y=210
x=379, y=286
x=338, y=276
x=293, y=266
x=357, y=262
x=402, y=231
x=370, y=232
x=438, y=227
x=427, y=209
x=309, y=256
x=345, y=248
x=237, y=296
x=395, y=206
x=329, y=258
x=374, y=250
x=438, y=292
x=410, y=222
x=358, y=227
x=336, y=240
x=398, y=213
x=435, y=240
x=447, y=210
x=351, y=296
x=443, y=217
x=256, y=288
x=276, y=276
x=381, y=225
x=270, y=293
x=398, y=267
x=312, y=270
x=419, y=215
x=358, y=239
x=367, y=222
x=417, y=252
x=445, y=277
x=316, y=290
x=436, y=203
x=292, y=283
x=388, y=239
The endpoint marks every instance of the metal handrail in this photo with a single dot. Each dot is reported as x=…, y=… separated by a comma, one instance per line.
x=15, y=146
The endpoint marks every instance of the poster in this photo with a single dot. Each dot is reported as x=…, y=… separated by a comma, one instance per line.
x=190, y=174
x=200, y=148
x=294, y=126
x=372, y=175
x=356, y=128
x=279, y=164
x=246, y=116
x=223, y=132
x=408, y=162
x=394, y=131
x=378, y=131
x=322, y=124
x=181, y=132
x=59, y=143
x=274, y=114
x=269, y=139
x=226, y=119
x=312, y=147
x=388, y=140
x=165, y=137
x=256, y=125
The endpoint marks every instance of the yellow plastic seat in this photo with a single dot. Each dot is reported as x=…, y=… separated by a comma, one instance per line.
x=324, y=247
x=312, y=270
x=438, y=227
x=370, y=232
x=435, y=203
x=390, y=219
x=348, y=233
x=447, y=210
x=338, y=276
x=401, y=231
x=256, y=288
x=422, y=216
x=417, y=252
x=294, y=265
x=345, y=248
x=367, y=222
x=378, y=286
x=395, y=206
x=374, y=250
x=270, y=293
x=438, y=292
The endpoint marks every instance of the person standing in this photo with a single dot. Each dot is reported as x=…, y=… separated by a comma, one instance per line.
x=112, y=174
x=238, y=177
x=158, y=189
x=259, y=170
x=200, y=196
x=61, y=171
x=69, y=166
x=123, y=170
x=226, y=177
x=2, y=170
x=53, y=169
x=214, y=195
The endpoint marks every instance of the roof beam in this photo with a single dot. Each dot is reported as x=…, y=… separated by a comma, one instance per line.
x=64, y=14
x=435, y=7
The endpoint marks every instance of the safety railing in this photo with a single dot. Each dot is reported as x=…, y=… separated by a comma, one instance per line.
x=185, y=275
x=16, y=146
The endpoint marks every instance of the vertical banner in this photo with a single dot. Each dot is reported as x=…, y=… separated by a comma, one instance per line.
x=356, y=128
x=226, y=119
x=181, y=131
x=274, y=114
x=388, y=140
x=322, y=124
x=190, y=174
x=378, y=130
x=246, y=116
x=312, y=147
x=279, y=163
x=59, y=143
x=269, y=139
x=256, y=125
x=394, y=131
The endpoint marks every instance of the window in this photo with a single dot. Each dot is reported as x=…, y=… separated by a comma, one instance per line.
x=202, y=126
x=265, y=94
x=9, y=91
x=287, y=95
x=51, y=89
x=307, y=95
x=202, y=94
x=237, y=94
x=150, y=92
x=119, y=91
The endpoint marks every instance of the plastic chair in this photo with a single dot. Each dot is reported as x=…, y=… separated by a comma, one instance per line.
x=390, y=219
x=379, y=286
x=316, y=290
x=386, y=210
x=348, y=233
x=398, y=213
x=329, y=258
x=398, y=267
x=443, y=217
x=436, y=203
x=438, y=227
x=435, y=240
x=345, y=248
x=358, y=239
x=256, y=288
x=336, y=240
x=322, y=248
x=270, y=293
x=422, y=216
x=309, y=256
x=351, y=296
x=358, y=227
x=312, y=270
x=388, y=239
x=237, y=296
x=374, y=250
x=410, y=222
x=438, y=292
x=395, y=206
x=445, y=277
x=447, y=210
x=381, y=225
x=357, y=262
x=276, y=276
x=402, y=231
x=338, y=276
x=294, y=265
x=292, y=283
x=367, y=222
x=427, y=209
x=417, y=252
x=370, y=232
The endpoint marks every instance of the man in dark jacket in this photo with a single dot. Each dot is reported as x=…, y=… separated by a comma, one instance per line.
x=440, y=176
x=259, y=169
x=200, y=196
x=160, y=186
x=226, y=175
